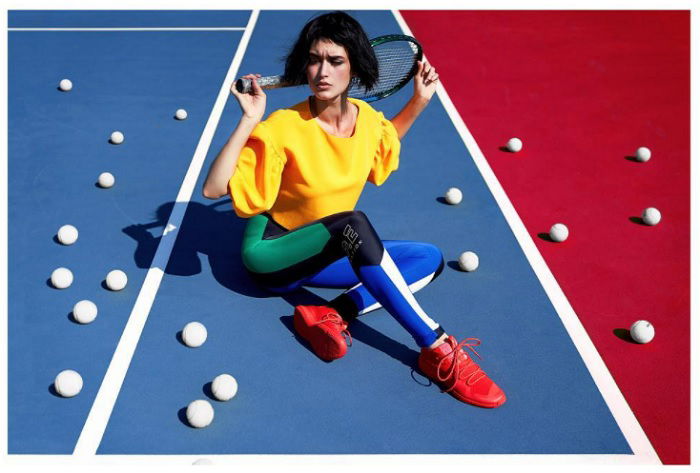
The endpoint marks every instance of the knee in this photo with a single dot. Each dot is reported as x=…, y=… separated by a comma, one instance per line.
x=359, y=220
x=438, y=260
x=434, y=258
x=360, y=239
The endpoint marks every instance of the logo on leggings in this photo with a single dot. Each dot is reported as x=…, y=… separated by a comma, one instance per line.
x=350, y=244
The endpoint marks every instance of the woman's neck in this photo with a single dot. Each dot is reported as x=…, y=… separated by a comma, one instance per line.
x=337, y=118
x=334, y=113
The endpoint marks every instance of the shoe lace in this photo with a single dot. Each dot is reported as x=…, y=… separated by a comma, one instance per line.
x=460, y=363
x=334, y=318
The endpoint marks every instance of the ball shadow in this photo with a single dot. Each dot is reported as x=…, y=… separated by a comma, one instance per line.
x=48, y=283
x=633, y=159
x=105, y=286
x=442, y=200
x=545, y=236
x=454, y=264
x=637, y=220
x=52, y=390
x=206, y=389
x=505, y=149
x=182, y=415
x=624, y=335
x=56, y=240
x=178, y=337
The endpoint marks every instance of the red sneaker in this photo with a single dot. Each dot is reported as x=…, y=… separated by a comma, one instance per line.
x=452, y=369
x=324, y=329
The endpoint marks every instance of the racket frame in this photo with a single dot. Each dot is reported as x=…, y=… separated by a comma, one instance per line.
x=274, y=82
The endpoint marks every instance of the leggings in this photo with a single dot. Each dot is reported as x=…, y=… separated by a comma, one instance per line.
x=343, y=251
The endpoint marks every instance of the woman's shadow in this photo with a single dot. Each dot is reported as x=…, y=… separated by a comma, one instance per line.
x=204, y=231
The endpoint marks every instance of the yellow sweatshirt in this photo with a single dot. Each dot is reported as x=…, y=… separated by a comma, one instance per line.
x=297, y=172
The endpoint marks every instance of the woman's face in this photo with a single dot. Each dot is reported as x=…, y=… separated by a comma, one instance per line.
x=328, y=71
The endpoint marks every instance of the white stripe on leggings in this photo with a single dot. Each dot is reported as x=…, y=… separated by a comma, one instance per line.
x=396, y=277
x=415, y=287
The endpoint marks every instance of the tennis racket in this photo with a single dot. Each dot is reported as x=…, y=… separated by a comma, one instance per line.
x=397, y=56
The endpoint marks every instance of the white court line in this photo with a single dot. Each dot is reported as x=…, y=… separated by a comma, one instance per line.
x=628, y=423
x=101, y=410
x=231, y=28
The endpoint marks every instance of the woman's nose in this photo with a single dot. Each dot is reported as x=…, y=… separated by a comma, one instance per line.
x=323, y=69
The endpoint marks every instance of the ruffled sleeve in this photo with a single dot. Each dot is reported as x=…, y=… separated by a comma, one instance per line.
x=386, y=158
x=256, y=181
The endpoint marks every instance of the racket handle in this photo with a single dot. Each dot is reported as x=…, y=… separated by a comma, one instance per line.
x=270, y=82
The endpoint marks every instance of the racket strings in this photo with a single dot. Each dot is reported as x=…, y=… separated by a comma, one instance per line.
x=396, y=63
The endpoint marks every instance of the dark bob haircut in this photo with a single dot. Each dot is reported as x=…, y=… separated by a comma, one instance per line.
x=342, y=29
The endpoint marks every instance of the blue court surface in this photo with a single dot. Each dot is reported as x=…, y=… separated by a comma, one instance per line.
x=373, y=401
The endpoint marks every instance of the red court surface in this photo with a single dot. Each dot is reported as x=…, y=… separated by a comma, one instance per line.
x=583, y=90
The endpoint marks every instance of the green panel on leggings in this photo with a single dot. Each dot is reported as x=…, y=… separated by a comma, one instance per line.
x=266, y=256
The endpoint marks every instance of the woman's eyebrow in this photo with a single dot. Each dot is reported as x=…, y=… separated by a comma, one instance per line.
x=331, y=57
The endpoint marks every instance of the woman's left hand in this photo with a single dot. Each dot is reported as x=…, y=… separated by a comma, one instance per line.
x=425, y=81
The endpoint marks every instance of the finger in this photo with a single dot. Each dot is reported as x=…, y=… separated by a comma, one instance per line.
x=419, y=69
x=234, y=89
x=255, y=87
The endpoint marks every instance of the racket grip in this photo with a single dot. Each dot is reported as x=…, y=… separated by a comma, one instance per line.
x=270, y=82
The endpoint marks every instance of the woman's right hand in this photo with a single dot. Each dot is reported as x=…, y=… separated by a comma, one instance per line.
x=252, y=103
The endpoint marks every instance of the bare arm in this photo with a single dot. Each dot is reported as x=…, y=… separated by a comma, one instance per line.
x=223, y=167
x=424, y=85
x=408, y=114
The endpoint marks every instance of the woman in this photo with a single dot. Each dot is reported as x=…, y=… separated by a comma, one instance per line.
x=297, y=177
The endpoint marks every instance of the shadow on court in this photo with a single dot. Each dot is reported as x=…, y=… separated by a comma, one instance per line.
x=205, y=230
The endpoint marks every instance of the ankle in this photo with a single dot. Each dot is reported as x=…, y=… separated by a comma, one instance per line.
x=346, y=308
x=440, y=340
